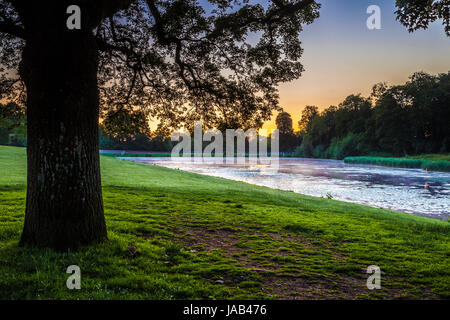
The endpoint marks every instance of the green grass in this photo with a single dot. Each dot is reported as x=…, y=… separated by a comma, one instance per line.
x=133, y=154
x=159, y=155
x=200, y=237
x=432, y=157
x=425, y=162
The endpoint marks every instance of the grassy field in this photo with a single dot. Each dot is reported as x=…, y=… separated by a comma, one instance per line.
x=133, y=154
x=177, y=235
x=433, y=162
x=153, y=155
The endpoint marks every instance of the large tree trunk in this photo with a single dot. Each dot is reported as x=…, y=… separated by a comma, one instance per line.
x=64, y=207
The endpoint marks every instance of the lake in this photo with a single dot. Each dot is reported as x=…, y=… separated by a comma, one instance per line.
x=382, y=187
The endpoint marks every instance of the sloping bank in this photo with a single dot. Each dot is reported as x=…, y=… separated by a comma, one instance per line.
x=402, y=163
x=179, y=235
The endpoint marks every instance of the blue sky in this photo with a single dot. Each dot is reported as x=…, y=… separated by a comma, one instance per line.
x=342, y=56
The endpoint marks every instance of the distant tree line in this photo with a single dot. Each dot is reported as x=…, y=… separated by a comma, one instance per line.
x=137, y=141
x=12, y=125
x=13, y=132
x=407, y=119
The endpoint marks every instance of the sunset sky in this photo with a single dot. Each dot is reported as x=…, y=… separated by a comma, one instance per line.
x=341, y=56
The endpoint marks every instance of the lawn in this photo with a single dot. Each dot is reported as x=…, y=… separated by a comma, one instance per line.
x=178, y=235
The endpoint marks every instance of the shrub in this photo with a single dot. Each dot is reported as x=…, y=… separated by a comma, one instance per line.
x=348, y=146
x=306, y=149
x=436, y=165
x=320, y=152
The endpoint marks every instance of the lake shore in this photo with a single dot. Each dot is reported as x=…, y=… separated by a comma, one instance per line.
x=396, y=189
x=417, y=162
x=196, y=237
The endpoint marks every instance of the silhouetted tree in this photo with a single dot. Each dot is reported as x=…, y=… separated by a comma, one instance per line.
x=404, y=119
x=352, y=115
x=131, y=59
x=418, y=14
x=308, y=115
x=288, y=140
x=174, y=60
x=392, y=122
x=12, y=121
x=284, y=123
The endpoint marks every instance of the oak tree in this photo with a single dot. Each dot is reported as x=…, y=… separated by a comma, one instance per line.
x=219, y=61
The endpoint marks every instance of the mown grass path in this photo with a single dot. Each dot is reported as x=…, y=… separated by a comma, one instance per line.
x=178, y=235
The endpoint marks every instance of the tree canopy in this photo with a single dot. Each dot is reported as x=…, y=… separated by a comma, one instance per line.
x=284, y=123
x=218, y=60
x=418, y=14
x=402, y=119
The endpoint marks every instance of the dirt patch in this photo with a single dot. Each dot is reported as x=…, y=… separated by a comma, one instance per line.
x=204, y=240
x=283, y=287
x=278, y=278
x=305, y=242
x=288, y=288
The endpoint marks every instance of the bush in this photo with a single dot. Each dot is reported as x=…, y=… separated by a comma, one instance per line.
x=339, y=149
x=306, y=149
x=436, y=165
x=320, y=152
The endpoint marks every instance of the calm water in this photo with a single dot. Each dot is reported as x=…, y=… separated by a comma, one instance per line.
x=396, y=189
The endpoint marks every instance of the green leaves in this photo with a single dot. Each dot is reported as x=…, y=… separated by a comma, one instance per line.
x=418, y=14
x=184, y=60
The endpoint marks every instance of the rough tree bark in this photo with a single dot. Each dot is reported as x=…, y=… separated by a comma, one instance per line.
x=64, y=207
